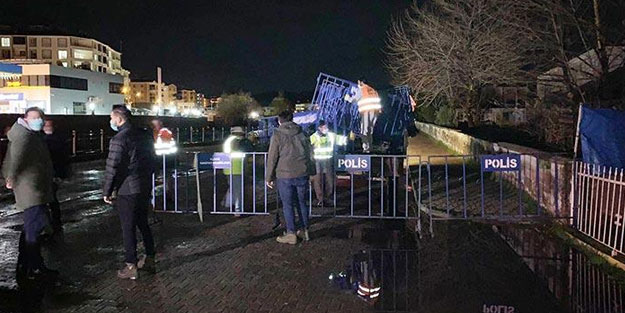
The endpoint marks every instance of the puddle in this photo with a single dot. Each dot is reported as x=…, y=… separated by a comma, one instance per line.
x=473, y=268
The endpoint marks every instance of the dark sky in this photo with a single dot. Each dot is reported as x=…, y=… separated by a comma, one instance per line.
x=216, y=46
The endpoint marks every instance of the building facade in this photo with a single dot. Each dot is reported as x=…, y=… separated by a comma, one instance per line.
x=65, y=51
x=60, y=90
x=144, y=95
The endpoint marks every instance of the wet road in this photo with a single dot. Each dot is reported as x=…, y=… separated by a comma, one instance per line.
x=232, y=264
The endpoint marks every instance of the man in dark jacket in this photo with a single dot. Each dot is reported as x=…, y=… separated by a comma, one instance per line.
x=27, y=170
x=59, y=151
x=129, y=169
x=290, y=162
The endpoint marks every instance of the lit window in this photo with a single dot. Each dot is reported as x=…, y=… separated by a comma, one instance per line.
x=6, y=42
x=64, y=64
x=83, y=54
x=62, y=54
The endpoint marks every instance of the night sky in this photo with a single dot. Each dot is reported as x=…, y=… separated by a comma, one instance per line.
x=217, y=46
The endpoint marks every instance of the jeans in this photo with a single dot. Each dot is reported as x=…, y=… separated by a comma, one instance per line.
x=133, y=214
x=36, y=219
x=289, y=188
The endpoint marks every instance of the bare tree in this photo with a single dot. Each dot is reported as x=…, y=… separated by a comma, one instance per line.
x=580, y=43
x=457, y=49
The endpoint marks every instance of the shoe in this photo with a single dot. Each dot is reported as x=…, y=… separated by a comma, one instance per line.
x=303, y=234
x=289, y=238
x=128, y=272
x=147, y=263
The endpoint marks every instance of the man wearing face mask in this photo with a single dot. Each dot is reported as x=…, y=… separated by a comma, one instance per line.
x=28, y=172
x=59, y=152
x=129, y=169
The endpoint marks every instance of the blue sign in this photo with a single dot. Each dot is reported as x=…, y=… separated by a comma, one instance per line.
x=209, y=161
x=501, y=163
x=11, y=96
x=353, y=163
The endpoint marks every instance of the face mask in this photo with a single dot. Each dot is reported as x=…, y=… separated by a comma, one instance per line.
x=36, y=124
x=114, y=126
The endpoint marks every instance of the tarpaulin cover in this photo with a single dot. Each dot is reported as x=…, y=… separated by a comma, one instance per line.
x=602, y=133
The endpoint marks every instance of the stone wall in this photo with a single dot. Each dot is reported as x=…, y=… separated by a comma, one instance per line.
x=545, y=177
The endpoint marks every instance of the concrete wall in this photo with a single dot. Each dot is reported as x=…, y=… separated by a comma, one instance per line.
x=544, y=176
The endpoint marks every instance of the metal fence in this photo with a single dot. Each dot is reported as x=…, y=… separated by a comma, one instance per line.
x=96, y=141
x=389, y=187
x=599, y=205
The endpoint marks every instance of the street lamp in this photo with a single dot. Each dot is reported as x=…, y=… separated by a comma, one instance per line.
x=254, y=115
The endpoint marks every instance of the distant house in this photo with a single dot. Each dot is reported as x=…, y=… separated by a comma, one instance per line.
x=584, y=68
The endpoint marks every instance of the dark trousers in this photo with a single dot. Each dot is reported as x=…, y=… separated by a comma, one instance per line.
x=55, y=209
x=35, y=220
x=294, y=191
x=133, y=214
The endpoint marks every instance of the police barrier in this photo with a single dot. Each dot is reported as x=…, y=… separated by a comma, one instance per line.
x=369, y=186
x=498, y=187
x=503, y=187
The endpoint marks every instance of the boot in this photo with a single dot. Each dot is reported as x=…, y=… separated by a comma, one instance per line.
x=128, y=272
x=289, y=238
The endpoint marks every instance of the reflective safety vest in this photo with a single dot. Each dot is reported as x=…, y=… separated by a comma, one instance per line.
x=323, y=146
x=236, y=157
x=370, y=100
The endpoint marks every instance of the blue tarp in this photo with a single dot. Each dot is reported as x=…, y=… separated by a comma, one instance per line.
x=602, y=133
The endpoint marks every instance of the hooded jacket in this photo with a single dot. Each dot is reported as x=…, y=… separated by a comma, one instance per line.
x=290, y=153
x=28, y=165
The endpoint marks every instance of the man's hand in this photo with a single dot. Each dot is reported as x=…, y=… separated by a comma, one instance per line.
x=9, y=184
x=269, y=184
x=108, y=199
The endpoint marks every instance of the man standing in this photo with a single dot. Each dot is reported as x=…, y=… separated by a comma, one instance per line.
x=289, y=161
x=28, y=170
x=323, y=142
x=369, y=107
x=236, y=145
x=59, y=152
x=129, y=169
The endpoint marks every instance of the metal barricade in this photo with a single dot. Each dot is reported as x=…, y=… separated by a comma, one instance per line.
x=387, y=188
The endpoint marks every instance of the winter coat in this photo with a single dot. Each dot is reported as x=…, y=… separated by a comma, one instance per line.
x=130, y=164
x=290, y=153
x=28, y=166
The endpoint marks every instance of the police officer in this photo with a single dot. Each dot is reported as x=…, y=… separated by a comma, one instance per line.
x=129, y=169
x=236, y=145
x=323, y=142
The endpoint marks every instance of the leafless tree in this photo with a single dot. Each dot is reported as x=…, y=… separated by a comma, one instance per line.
x=456, y=49
x=581, y=43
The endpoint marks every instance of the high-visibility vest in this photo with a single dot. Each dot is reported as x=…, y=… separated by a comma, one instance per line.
x=236, y=157
x=370, y=100
x=323, y=146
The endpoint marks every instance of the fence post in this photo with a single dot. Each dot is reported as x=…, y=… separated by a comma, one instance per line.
x=213, y=133
x=203, y=134
x=191, y=134
x=102, y=140
x=222, y=133
x=178, y=135
x=73, y=142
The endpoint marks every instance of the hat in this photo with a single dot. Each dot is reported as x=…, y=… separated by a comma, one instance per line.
x=237, y=130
